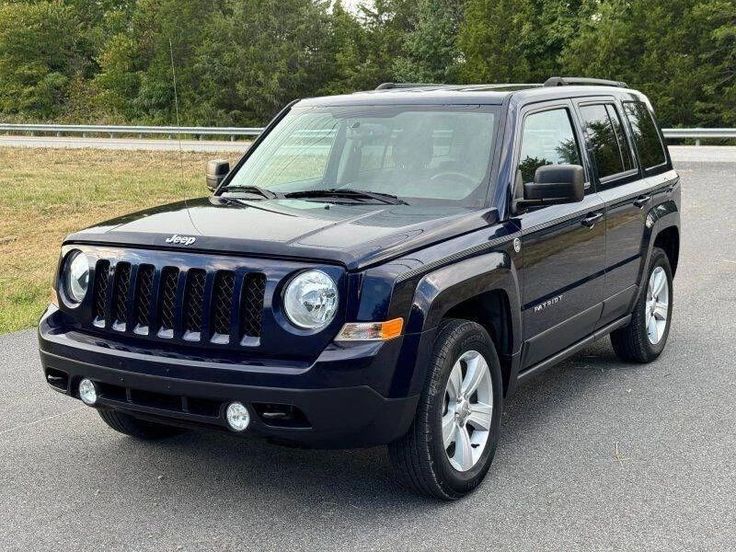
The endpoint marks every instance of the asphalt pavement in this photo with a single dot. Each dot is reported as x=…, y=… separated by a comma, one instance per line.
x=594, y=455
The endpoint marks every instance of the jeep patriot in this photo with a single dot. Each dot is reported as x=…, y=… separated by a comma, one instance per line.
x=380, y=268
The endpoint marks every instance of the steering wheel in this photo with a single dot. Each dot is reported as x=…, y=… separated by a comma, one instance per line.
x=443, y=176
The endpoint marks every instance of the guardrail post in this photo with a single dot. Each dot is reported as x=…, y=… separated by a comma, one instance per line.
x=697, y=141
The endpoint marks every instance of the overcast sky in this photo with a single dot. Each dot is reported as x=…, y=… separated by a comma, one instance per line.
x=353, y=4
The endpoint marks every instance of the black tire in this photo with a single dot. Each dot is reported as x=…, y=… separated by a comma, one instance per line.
x=140, y=429
x=631, y=343
x=420, y=457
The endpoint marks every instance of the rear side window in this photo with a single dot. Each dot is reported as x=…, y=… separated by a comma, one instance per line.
x=606, y=139
x=547, y=139
x=646, y=137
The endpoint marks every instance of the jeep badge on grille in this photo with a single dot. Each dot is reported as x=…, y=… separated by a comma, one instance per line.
x=176, y=239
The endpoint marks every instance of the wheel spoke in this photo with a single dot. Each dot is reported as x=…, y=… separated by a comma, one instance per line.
x=652, y=330
x=463, y=456
x=480, y=416
x=660, y=311
x=455, y=382
x=659, y=282
x=477, y=368
x=448, y=428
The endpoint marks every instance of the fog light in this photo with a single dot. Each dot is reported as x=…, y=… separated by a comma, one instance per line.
x=87, y=392
x=238, y=417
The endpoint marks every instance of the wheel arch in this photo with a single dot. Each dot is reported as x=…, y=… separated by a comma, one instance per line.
x=484, y=289
x=668, y=239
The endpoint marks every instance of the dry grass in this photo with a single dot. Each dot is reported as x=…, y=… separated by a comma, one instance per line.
x=46, y=194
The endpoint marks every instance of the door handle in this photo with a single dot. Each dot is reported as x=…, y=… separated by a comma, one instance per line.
x=641, y=201
x=591, y=220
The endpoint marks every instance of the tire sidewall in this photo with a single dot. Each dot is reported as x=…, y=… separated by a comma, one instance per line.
x=471, y=337
x=659, y=258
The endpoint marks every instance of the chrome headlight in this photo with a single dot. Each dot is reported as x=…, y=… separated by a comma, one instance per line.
x=310, y=300
x=76, y=277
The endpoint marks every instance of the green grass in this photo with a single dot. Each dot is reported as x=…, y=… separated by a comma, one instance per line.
x=48, y=193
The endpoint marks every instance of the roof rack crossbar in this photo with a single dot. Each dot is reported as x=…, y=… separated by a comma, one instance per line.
x=390, y=85
x=565, y=81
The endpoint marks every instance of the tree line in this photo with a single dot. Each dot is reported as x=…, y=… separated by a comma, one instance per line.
x=237, y=62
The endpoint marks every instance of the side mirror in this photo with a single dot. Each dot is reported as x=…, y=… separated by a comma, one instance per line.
x=555, y=184
x=217, y=170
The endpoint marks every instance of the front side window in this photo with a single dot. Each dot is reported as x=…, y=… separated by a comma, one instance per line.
x=646, y=137
x=547, y=138
x=435, y=154
x=606, y=140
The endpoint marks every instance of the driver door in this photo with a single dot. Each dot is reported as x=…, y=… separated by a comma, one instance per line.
x=563, y=246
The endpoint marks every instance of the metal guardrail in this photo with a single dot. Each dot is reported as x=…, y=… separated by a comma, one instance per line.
x=140, y=131
x=234, y=132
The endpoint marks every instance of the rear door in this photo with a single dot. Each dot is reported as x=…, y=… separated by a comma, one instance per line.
x=625, y=188
x=563, y=246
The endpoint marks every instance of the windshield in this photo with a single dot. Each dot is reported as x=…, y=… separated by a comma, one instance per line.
x=420, y=154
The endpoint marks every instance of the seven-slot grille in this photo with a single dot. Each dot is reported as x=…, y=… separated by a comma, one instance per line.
x=219, y=306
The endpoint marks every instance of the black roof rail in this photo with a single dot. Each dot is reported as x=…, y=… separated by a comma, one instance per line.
x=564, y=81
x=390, y=85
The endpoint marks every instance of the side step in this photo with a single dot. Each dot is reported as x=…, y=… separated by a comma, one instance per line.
x=547, y=363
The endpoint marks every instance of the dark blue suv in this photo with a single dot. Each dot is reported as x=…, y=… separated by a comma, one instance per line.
x=380, y=268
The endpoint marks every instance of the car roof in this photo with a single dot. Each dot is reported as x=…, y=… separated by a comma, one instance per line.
x=491, y=94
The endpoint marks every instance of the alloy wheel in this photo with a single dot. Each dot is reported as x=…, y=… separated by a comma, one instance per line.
x=657, y=305
x=468, y=411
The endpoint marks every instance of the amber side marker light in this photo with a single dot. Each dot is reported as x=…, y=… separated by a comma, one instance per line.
x=54, y=297
x=371, y=331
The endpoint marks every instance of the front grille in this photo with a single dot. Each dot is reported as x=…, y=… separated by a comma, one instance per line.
x=194, y=302
x=251, y=304
x=100, y=291
x=143, y=295
x=120, y=296
x=222, y=304
x=194, y=305
x=169, y=284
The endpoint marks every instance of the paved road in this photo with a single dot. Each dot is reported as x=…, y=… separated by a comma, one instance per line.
x=595, y=455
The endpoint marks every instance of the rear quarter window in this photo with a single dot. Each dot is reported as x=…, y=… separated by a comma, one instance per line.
x=646, y=137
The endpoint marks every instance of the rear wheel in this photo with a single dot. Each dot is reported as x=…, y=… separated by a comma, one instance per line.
x=643, y=340
x=135, y=427
x=450, y=446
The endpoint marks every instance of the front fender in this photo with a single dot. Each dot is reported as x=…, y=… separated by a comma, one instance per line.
x=439, y=291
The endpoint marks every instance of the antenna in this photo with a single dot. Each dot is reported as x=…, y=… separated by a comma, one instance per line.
x=176, y=108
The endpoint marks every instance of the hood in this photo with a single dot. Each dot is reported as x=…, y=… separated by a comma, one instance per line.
x=355, y=235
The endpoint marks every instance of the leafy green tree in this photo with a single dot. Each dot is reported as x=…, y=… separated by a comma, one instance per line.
x=492, y=40
x=257, y=55
x=136, y=78
x=431, y=52
x=40, y=54
x=679, y=52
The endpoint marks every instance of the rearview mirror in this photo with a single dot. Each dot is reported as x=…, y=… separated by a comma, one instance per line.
x=217, y=170
x=555, y=184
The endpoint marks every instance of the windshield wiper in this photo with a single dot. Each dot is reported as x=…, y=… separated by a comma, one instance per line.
x=349, y=193
x=263, y=192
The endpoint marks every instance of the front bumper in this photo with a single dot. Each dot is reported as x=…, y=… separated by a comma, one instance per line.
x=335, y=402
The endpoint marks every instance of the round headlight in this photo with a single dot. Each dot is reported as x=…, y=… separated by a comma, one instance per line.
x=310, y=300
x=76, y=277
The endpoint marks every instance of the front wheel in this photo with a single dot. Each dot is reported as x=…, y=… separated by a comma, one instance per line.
x=451, y=443
x=643, y=340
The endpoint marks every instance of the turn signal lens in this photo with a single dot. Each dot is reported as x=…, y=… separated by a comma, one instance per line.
x=371, y=331
x=54, y=297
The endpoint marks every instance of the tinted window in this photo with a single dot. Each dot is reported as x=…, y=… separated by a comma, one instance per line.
x=623, y=142
x=547, y=139
x=606, y=140
x=646, y=137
